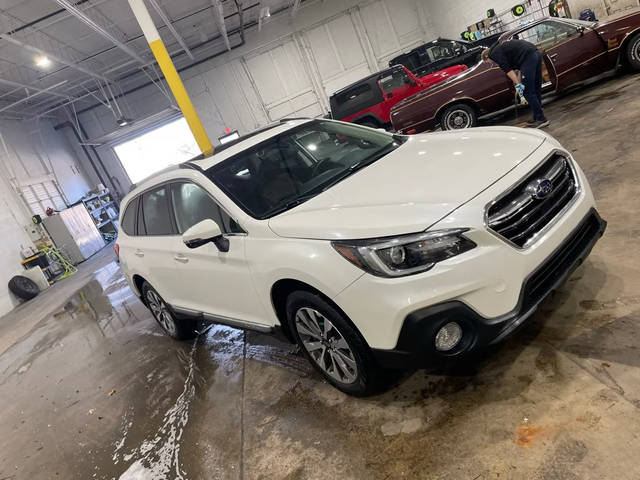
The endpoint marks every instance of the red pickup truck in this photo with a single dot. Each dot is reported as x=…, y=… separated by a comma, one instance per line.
x=369, y=101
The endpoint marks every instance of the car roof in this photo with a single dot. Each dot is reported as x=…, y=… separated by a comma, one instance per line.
x=222, y=152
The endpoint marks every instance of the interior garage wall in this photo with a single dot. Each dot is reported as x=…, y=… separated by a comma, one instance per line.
x=289, y=68
x=29, y=151
x=292, y=66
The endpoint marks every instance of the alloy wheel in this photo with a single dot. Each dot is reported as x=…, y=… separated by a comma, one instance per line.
x=161, y=312
x=458, y=119
x=326, y=345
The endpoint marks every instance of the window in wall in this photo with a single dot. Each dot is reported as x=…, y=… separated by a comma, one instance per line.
x=153, y=151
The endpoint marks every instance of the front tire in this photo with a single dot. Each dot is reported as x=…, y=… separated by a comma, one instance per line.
x=332, y=345
x=458, y=116
x=166, y=318
x=633, y=53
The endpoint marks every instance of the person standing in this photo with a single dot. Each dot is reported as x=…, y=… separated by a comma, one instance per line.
x=524, y=56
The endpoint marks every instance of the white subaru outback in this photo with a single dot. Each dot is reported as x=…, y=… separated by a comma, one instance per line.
x=369, y=250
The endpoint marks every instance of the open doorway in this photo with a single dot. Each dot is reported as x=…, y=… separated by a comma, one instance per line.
x=169, y=144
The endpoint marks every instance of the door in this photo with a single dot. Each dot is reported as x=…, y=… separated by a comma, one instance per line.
x=155, y=233
x=205, y=279
x=396, y=85
x=570, y=55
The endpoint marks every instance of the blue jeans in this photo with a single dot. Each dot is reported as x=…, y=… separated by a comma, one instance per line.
x=531, y=70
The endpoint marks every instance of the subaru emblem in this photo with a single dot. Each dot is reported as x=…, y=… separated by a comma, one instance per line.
x=540, y=188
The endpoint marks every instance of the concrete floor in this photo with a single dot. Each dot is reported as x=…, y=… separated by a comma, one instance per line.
x=91, y=388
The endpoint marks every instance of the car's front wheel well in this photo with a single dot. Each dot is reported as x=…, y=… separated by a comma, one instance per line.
x=280, y=293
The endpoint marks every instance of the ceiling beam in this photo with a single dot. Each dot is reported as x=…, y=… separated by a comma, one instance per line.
x=48, y=90
x=29, y=97
x=172, y=29
x=218, y=15
x=92, y=24
x=52, y=57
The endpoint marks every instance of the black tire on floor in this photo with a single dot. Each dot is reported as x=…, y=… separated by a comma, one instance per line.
x=180, y=329
x=369, y=377
x=23, y=287
x=633, y=52
x=458, y=116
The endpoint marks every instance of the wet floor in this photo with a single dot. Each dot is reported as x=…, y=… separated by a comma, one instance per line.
x=93, y=389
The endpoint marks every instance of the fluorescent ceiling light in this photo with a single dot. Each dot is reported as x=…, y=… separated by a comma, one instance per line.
x=43, y=61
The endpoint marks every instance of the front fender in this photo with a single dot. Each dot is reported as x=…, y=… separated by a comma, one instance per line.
x=313, y=262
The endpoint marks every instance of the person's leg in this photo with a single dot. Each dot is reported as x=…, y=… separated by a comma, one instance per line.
x=539, y=80
x=529, y=68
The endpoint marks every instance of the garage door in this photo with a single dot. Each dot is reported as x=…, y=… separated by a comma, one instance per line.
x=338, y=53
x=392, y=27
x=283, y=83
x=225, y=98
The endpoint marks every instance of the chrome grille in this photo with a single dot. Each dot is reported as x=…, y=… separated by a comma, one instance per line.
x=525, y=210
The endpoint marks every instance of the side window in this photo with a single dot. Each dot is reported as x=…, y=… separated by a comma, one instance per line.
x=547, y=34
x=155, y=208
x=129, y=218
x=394, y=80
x=192, y=204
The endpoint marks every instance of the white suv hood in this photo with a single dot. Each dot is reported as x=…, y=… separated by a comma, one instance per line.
x=413, y=187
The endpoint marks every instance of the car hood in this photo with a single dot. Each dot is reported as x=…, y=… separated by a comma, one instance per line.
x=413, y=187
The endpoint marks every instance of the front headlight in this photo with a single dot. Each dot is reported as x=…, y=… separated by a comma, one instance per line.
x=406, y=254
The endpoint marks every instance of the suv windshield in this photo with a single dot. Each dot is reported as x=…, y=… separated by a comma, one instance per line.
x=297, y=165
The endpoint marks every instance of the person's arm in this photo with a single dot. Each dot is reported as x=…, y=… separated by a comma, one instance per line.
x=513, y=76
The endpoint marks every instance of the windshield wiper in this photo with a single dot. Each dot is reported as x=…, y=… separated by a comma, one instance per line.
x=288, y=205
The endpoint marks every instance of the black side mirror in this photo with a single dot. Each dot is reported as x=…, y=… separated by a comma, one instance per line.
x=581, y=30
x=390, y=95
x=204, y=232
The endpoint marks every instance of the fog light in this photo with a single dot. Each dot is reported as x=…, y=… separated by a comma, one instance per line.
x=448, y=337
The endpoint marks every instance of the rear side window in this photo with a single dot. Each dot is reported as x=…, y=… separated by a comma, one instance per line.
x=156, y=212
x=355, y=99
x=129, y=218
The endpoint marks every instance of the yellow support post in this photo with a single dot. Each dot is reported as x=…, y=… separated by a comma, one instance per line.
x=171, y=75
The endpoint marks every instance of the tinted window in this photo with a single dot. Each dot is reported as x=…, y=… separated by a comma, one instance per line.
x=129, y=218
x=155, y=207
x=192, y=204
x=355, y=99
x=295, y=166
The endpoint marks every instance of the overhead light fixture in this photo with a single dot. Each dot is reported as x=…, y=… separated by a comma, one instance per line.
x=265, y=13
x=123, y=122
x=43, y=61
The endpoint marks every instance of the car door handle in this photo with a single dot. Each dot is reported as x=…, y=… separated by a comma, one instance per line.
x=139, y=253
x=178, y=257
x=554, y=56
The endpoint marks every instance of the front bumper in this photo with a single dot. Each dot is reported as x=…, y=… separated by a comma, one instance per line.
x=415, y=346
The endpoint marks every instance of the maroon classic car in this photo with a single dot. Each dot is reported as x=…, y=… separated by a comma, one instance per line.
x=573, y=52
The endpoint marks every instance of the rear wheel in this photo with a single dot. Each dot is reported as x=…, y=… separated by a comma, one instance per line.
x=633, y=52
x=458, y=116
x=332, y=345
x=178, y=329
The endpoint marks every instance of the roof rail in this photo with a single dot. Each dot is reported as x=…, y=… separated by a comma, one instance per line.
x=290, y=119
